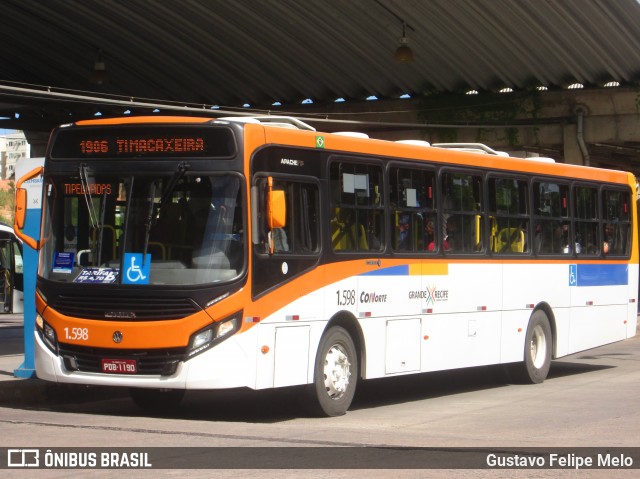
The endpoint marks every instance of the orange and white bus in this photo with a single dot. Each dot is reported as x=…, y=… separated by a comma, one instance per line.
x=186, y=253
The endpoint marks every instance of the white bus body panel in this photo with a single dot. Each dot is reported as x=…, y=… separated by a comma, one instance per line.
x=413, y=318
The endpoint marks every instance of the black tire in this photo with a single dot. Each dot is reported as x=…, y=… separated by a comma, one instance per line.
x=157, y=400
x=336, y=373
x=538, y=346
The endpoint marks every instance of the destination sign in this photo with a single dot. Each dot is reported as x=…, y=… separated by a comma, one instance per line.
x=144, y=145
x=91, y=189
x=143, y=141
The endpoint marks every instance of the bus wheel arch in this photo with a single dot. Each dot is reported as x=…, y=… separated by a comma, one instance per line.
x=538, y=349
x=336, y=368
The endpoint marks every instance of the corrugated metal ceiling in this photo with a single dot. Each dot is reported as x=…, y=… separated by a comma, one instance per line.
x=230, y=53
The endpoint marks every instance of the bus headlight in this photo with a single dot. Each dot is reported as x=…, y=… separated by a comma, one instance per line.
x=213, y=334
x=227, y=327
x=47, y=333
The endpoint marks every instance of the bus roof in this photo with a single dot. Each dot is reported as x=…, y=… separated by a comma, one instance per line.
x=292, y=131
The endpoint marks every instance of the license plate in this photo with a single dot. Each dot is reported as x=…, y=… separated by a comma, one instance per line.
x=119, y=366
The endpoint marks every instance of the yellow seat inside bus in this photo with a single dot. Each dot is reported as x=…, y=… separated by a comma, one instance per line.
x=509, y=240
x=347, y=235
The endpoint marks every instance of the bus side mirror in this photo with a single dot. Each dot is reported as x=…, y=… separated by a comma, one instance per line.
x=276, y=212
x=276, y=209
x=20, y=212
x=21, y=208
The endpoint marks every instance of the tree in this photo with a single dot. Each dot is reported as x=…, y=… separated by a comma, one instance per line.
x=7, y=204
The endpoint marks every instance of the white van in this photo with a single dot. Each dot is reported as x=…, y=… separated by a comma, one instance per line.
x=11, y=272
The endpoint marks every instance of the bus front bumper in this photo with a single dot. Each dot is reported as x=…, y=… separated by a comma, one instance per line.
x=222, y=367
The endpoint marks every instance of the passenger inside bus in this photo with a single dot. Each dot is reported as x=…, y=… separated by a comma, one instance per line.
x=430, y=235
x=451, y=241
x=609, y=244
x=279, y=238
x=373, y=238
x=404, y=233
x=430, y=238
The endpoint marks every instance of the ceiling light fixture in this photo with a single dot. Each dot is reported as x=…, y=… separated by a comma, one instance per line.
x=99, y=74
x=403, y=53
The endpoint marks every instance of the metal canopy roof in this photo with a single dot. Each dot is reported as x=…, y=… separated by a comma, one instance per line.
x=231, y=53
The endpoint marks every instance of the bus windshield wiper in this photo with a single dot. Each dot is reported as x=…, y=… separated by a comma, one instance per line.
x=96, y=224
x=101, y=226
x=150, y=220
x=167, y=192
x=84, y=182
x=166, y=196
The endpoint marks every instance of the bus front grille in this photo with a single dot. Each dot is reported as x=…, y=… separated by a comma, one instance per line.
x=124, y=308
x=162, y=362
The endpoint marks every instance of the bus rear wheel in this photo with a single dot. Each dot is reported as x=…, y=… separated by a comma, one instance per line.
x=537, y=352
x=336, y=373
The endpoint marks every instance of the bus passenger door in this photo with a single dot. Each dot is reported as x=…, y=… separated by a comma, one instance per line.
x=11, y=276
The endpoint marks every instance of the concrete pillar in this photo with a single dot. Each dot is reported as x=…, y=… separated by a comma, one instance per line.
x=38, y=141
x=572, y=153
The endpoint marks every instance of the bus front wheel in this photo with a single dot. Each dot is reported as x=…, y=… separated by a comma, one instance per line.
x=537, y=352
x=336, y=373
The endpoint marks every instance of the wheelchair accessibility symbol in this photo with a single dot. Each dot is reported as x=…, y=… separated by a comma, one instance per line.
x=135, y=270
x=573, y=275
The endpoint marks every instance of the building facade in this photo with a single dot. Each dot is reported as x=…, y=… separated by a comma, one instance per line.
x=13, y=146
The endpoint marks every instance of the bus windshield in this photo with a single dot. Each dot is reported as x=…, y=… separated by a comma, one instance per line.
x=177, y=229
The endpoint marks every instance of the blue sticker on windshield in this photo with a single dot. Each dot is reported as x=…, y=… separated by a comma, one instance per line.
x=63, y=262
x=136, y=271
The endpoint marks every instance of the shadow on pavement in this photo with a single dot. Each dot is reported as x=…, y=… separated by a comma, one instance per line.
x=278, y=405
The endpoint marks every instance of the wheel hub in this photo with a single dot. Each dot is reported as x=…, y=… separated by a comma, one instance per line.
x=538, y=347
x=337, y=371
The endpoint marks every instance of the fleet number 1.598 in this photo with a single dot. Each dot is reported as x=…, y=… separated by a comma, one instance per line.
x=76, y=334
x=346, y=297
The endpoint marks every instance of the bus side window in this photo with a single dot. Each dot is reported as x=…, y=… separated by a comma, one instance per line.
x=463, y=222
x=300, y=232
x=617, y=224
x=412, y=216
x=357, y=222
x=552, y=229
x=587, y=222
x=509, y=215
